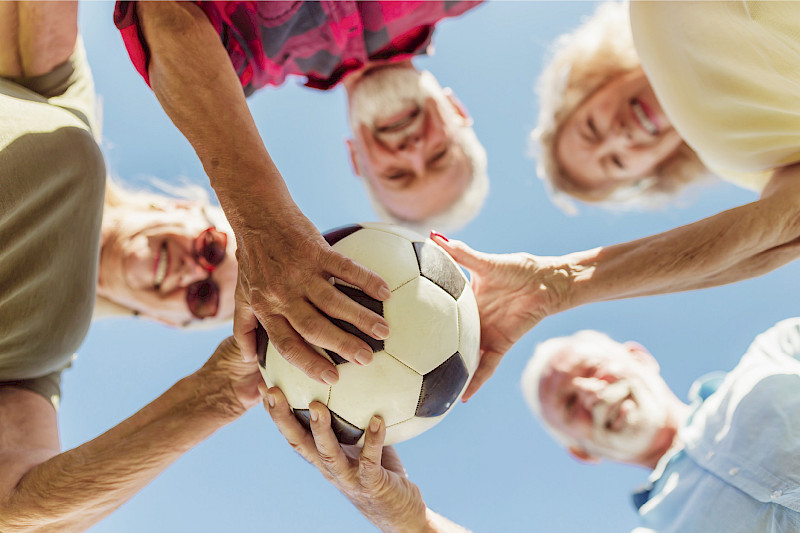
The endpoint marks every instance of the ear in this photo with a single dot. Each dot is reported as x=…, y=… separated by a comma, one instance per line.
x=458, y=106
x=351, y=148
x=582, y=455
x=641, y=354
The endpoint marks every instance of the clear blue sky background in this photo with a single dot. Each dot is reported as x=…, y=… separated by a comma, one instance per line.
x=488, y=466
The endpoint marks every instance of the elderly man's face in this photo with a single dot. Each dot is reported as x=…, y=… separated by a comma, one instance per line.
x=158, y=262
x=612, y=402
x=404, y=142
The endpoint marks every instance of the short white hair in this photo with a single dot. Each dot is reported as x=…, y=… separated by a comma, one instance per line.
x=469, y=204
x=584, y=342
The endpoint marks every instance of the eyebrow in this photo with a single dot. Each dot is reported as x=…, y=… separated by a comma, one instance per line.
x=439, y=154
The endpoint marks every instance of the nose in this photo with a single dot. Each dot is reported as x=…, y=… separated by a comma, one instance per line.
x=412, y=151
x=588, y=391
x=190, y=271
x=618, y=137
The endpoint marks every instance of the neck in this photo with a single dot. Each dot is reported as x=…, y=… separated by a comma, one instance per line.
x=667, y=437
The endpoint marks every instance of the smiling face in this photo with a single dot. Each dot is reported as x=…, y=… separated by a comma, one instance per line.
x=611, y=401
x=152, y=259
x=618, y=135
x=404, y=141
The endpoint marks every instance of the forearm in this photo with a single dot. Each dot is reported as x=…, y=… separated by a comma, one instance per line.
x=757, y=236
x=76, y=489
x=194, y=80
x=36, y=37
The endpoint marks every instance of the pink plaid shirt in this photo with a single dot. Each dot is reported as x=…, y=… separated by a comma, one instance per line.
x=322, y=41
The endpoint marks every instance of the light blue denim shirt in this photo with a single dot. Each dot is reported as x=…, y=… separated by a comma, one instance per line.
x=738, y=469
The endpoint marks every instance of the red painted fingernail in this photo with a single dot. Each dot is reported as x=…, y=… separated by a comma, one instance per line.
x=434, y=234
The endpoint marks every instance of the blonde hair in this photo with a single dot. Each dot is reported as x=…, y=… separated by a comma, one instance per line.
x=118, y=196
x=583, y=61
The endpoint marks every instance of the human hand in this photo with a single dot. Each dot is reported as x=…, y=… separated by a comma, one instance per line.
x=514, y=292
x=285, y=268
x=231, y=383
x=372, y=478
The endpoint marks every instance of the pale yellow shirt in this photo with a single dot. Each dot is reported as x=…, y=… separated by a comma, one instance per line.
x=728, y=76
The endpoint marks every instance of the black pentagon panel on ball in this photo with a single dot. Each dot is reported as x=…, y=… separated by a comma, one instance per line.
x=440, y=387
x=370, y=303
x=335, y=357
x=345, y=432
x=304, y=417
x=436, y=265
x=261, y=345
x=337, y=234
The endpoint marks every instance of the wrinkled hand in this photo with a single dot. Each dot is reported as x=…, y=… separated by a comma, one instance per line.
x=374, y=479
x=285, y=269
x=231, y=383
x=514, y=293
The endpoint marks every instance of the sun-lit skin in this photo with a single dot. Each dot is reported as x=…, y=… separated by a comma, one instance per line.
x=619, y=134
x=410, y=156
x=136, y=244
x=636, y=427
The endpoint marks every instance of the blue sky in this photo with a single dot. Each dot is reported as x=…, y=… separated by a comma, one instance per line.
x=488, y=466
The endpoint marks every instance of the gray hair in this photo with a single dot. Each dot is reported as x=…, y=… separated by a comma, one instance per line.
x=581, y=62
x=584, y=342
x=469, y=204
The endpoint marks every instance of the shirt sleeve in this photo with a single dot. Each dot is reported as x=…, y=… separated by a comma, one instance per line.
x=69, y=86
x=127, y=22
x=779, y=342
x=48, y=386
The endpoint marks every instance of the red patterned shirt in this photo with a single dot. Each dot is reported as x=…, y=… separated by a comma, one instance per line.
x=323, y=41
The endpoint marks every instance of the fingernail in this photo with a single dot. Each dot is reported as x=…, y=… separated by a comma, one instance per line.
x=374, y=424
x=384, y=293
x=330, y=377
x=380, y=331
x=314, y=415
x=363, y=357
x=434, y=234
x=270, y=400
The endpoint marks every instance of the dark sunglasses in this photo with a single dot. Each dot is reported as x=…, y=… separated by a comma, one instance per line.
x=202, y=296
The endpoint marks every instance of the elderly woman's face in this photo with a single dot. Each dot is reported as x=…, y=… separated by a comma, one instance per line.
x=166, y=264
x=619, y=134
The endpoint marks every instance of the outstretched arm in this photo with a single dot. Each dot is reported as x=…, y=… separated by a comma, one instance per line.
x=42, y=490
x=515, y=291
x=284, y=263
x=372, y=478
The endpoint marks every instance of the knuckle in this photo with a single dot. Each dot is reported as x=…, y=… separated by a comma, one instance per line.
x=310, y=327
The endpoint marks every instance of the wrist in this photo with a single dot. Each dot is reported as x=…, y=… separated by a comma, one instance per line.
x=212, y=395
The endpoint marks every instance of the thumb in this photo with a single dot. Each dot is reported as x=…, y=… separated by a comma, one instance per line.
x=465, y=256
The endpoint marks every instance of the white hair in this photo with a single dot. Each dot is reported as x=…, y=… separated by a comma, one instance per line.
x=469, y=204
x=583, y=342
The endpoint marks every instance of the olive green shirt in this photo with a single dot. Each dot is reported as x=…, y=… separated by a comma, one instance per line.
x=52, y=178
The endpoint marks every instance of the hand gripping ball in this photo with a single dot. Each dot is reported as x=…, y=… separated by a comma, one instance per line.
x=422, y=369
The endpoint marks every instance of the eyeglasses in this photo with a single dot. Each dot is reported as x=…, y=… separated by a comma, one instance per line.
x=208, y=251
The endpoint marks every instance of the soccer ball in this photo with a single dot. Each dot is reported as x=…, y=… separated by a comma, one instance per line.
x=422, y=369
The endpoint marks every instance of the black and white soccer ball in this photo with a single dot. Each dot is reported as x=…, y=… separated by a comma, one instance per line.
x=422, y=369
